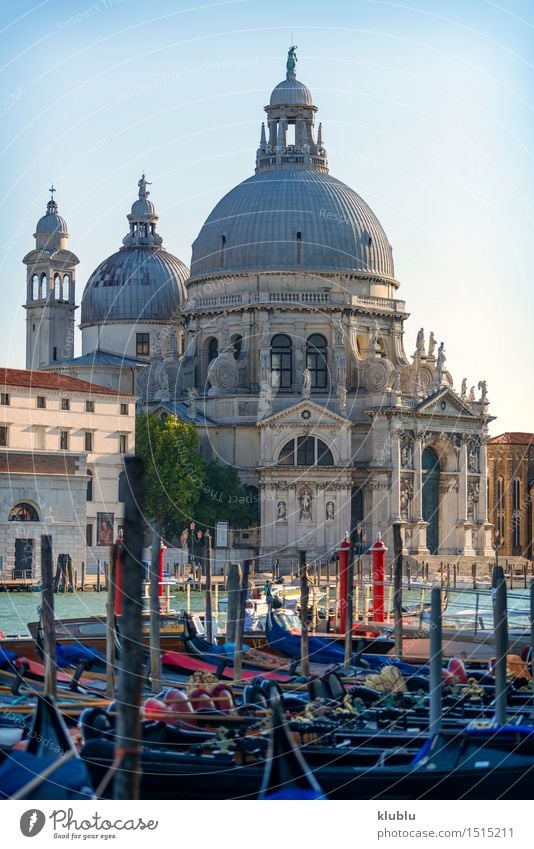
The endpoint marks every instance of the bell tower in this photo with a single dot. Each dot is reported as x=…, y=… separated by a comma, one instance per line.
x=50, y=292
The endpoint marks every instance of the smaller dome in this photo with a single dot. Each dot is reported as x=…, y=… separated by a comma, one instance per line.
x=291, y=92
x=51, y=222
x=143, y=206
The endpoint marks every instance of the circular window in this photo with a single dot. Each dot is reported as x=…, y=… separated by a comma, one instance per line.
x=305, y=414
x=443, y=405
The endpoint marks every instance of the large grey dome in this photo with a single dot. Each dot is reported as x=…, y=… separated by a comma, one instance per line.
x=135, y=284
x=51, y=222
x=290, y=219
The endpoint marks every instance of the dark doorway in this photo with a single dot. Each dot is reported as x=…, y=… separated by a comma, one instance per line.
x=23, y=559
x=430, y=465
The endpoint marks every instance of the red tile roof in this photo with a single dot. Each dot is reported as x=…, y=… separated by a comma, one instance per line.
x=51, y=380
x=513, y=438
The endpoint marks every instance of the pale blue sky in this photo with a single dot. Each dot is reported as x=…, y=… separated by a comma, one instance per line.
x=426, y=109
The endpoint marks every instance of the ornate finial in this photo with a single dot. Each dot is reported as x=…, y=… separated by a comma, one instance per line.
x=292, y=60
x=52, y=189
x=143, y=183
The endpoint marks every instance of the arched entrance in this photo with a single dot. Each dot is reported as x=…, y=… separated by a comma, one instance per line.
x=23, y=512
x=430, y=467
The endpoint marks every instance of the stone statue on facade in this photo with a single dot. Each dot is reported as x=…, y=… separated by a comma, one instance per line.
x=483, y=387
x=265, y=367
x=420, y=342
x=463, y=392
x=406, y=451
x=338, y=332
x=472, y=394
x=281, y=511
x=441, y=357
x=342, y=399
x=291, y=64
x=330, y=510
x=395, y=380
x=192, y=398
x=406, y=495
x=431, y=344
x=306, y=383
x=305, y=505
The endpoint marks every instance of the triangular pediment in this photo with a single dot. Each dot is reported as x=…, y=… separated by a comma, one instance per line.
x=444, y=402
x=305, y=412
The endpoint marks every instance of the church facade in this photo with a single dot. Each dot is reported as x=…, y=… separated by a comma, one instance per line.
x=285, y=345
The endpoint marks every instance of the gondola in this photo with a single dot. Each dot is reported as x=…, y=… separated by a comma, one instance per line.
x=49, y=767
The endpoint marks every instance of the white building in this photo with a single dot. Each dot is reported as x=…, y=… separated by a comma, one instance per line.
x=62, y=443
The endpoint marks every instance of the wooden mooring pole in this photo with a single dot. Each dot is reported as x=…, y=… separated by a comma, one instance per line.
x=47, y=616
x=397, y=588
x=128, y=735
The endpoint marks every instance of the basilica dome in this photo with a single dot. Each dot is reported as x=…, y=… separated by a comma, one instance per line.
x=292, y=214
x=290, y=219
x=141, y=281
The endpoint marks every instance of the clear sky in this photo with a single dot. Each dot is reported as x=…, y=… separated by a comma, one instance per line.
x=426, y=108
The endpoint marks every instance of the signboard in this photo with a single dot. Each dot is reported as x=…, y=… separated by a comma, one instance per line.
x=221, y=535
x=104, y=528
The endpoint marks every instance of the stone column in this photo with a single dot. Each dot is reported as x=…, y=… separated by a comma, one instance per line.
x=417, y=479
x=483, y=493
x=395, y=477
x=320, y=517
x=292, y=515
x=462, y=480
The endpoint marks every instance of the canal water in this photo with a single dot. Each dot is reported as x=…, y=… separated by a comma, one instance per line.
x=17, y=609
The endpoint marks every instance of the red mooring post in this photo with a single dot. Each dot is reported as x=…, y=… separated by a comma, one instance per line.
x=118, y=578
x=379, y=575
x=162, y=548
x=344, y=550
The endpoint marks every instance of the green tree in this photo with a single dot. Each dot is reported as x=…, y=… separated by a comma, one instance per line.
x=174, y=470
x=224, y=498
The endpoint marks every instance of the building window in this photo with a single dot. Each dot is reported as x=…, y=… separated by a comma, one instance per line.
x=89, y=493
x=213, y=349
x=89, y=406
x=64, y=440
x=142, y=344
x=237, y=342
x=3, y=436
x=123, y=443
x=89, y=534
x=54, y=355
x=499, y=508
x=41, y=402
x=65, y=404
x=4, y=399
x=123, y=487
x=316, y=361
x=309, y=452
x=88, y=440
x=124, y=409
x=23, y=512
x=281, y=361
x=516, y=513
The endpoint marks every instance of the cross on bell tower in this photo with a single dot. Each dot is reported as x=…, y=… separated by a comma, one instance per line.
x=50, y=292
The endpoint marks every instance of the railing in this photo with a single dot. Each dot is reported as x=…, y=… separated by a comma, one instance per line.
x=341, y=298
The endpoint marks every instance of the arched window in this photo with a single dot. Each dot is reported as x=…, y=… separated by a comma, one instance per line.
x=499, y=507
x=305, y=451
x=35, y=287
x=123, y=486
x=281, y=361
x=23, y=512
x=299, y=247
x=237, y=342
x=57, y=287
x=223, y=248
x=213, y=349
x=89, y=493
x=44, y=287
x=516, y=513
x=316, y=360
x=65, y=289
